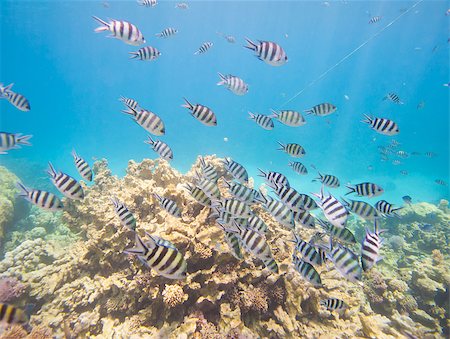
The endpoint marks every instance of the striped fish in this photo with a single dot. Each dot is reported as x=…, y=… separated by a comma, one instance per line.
x=233, y=83
x=370, y=249
x=182, y=5
x=298, y=167
x=42, y=199
x=147, y=3
x=382, y=125
x=234, y=207
x=166, y=261
x=386, y=208
x=271, y=264
x=262, y=120
x=148, y=120
x=365, y=189
x=333, y=210
x=17, y=100
x=290, y=197
x=289, y=118
x=130, y=103
x=198, y=194
x=256, y=224
x=9, y=141
x=307, y=271
x=328, y=180
x=343, y=234
x=294, y=150
x=345, y=261
x=375, y=19
x=4, y=90
x=169, y=205
x=82, y=167
x=274, y=179
x=127, y=218
x=333, y=304
x=165, y=33
x=10, y=315
x=279, y=212
x=227, y=219
x=308, y=202
x=159, y=241
x=208, y=171
x=440, y=182
x=209, y=187
x=269, y=52
x=67, y=185
x=204, y=47
x=322, y=109
x=145, y=53
x=304, y=218
x=234, y=243
x=202, y=113
x=238, y=171
x=308, y=252
x=242, y=192
x=161, y=148
x=362, y=209
x=121, y=30
x=394, y=98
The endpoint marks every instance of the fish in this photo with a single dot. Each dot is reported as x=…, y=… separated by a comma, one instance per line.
x=167, y=32
x=308, y=252
x=345, y=261
x=333, y=304
x=420, y=105
x=407, y=199
x=322, y=110
x=416, y=153
x=208, y=170
x=446, y=84
x=202, y=113
x=328, y=180
x=10, y=315
x=234, y=243
x=209, y=187
x=304, y=218
x=242, y=192
x=166, y=261
x=271, y=264
x=333, y=210
x=204, y=47
x=343, y=234
x=256, y=224
x=233, y=83
x=145, y=53
x=269, y=52
x=229, y=38
x=361, y=209
x=198, y=194
x=161, y=148
x=234, y=207
x=404, y=172
x=147, y=3
x=262, y=120
x=274, y=179
x=148, y=120
x=9, y=141
x=294, y=150
x=308, y=202
x=67, y=185
x=425, y=227
x=290, y=197
x=169, y=205
x=402, y=154
x=82, y=167
x=225, y=218
x=382, y=125
x=122, y=30
x=289, y=118
x=430, y=154
x=370, y=249
x=375, y=19
x=279, y=211
x=307, y=271
x=130, y=103
x=159, y=241
x=238, y=171
x=42, y=199
x=386, y=208
x=440, y=182
x=298, y=167
x=181, y=5
x=365, y=189
x=5, y=89
x=396, y=162
x=16, y=99
x=127, y=218
x=394, y=98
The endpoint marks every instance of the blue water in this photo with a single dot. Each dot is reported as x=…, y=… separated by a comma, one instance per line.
x=73, y=78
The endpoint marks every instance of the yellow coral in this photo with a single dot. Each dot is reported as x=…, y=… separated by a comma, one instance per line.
x=438, y=257
x=254, y=298
x=14, y=332
x=203, y=251
x=174, y=295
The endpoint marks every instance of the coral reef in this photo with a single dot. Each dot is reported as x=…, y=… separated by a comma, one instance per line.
x=10, y=289
x=79, y=277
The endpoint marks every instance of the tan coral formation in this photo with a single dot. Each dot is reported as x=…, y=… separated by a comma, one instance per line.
x=101, y=293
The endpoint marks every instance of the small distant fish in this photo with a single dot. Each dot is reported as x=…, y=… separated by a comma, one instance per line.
x=421, y=105
x=262, y=120
x=208, y=170
x=375, y=19
x=294, y=150
x=10, y=315
x=425, y=227
x=333, y=209
x=122, y=30
x=269, y=52
x=42, y=199
x=307, y=271
x=148, y=120
x=430, y=154
x=130, y=103
x=365, y=189
x=328, y=180
x=394, y=98
x=147, y=3
x=145, y=53
x=386, y=208
x=407, y=199
x=404, y=172
x=238, y=171
x=168, y=32
x=396, y=162
x=169, y=205
x=161, y=148
x=447, y=13
x=333, y=304
x=233, y=83
x=202, y=113
x=181, y=5
x=362, y=209
x=127, y=218
x=204, y=47
x=298, y=167
x=382, y=125
x=16, y=99
x=370, y=248
x=9, y=141
x=274, y=179
x=289, y=118
x=322, y=109
x=82, y=167
x=440, y=182
x=446, y=85
x=229, y=38
x=402, y=154
x=198, y=194
x=67, y=185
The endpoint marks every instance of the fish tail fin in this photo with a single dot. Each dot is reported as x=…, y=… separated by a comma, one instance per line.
x=150, y=141
x=139, y=247
x=134, y=55
x=351, y=188
x=250, y=44
x=187, y=104
x=274, y=114
x=23, y=139
x=51, y=170
x=129, y=111
x=262, y=173
x=74, y=154
x=115, y=201
x=282, y=146
x=222, y=79
x=251, y=116
x=23, y=189
x=367, y=119
x=104, y=27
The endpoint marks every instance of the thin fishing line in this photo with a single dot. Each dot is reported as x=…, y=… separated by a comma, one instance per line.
x=324, y=74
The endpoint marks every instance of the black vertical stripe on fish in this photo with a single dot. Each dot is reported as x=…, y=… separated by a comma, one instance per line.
x=382, y=125
x=238, y=171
